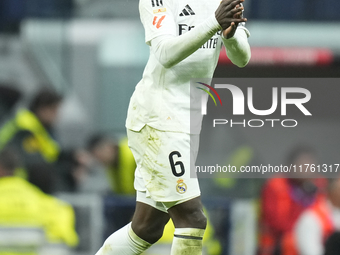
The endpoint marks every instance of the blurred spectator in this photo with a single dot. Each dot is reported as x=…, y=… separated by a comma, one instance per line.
x=112, y=167
x=9, y=96
x=30, y=132
x=24, y=205
x=319, y=222
x=282, y=202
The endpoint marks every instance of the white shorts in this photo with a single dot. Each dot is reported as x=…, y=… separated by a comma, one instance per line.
x=163, y=165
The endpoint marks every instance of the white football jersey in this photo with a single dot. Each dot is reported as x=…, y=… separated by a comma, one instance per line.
x=162, y=98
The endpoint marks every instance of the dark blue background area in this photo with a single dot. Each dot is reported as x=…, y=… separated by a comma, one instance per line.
x=303, y=10
x=13, y=11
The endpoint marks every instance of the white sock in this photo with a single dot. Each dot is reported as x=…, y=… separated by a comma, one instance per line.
x=123, y=242
x=187, y=241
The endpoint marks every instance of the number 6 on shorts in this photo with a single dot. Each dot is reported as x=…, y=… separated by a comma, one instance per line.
x=173, y=164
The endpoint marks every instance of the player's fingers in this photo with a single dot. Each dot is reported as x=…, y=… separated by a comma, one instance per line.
x=236, y=10
x=238, y=20
x=227, y=22
x=236, y=23
x=226, y=3
x=238, y=6
x=228, y=30
x=237, y=15
x=232, y=5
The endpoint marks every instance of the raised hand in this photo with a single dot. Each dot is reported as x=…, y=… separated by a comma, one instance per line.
x=229, y=14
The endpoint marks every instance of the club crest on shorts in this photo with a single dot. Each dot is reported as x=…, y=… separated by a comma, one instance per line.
x=181, y=187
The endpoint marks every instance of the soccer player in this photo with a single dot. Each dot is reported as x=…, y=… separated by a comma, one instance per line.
x=185, y=38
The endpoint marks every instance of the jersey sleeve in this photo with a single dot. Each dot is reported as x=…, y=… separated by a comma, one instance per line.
x=158, y=18
x=237, y=47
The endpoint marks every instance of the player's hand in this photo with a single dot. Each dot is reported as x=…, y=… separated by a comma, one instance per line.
x=227, y=13
x=230, y=31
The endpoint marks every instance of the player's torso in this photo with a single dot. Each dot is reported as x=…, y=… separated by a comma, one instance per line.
x=162, y=98
x=188, y=15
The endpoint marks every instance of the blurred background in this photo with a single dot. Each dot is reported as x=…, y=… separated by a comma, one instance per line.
x=67, y=71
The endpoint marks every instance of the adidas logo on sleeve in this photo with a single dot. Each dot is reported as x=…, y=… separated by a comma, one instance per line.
x=187, y=11
x=158, y=3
